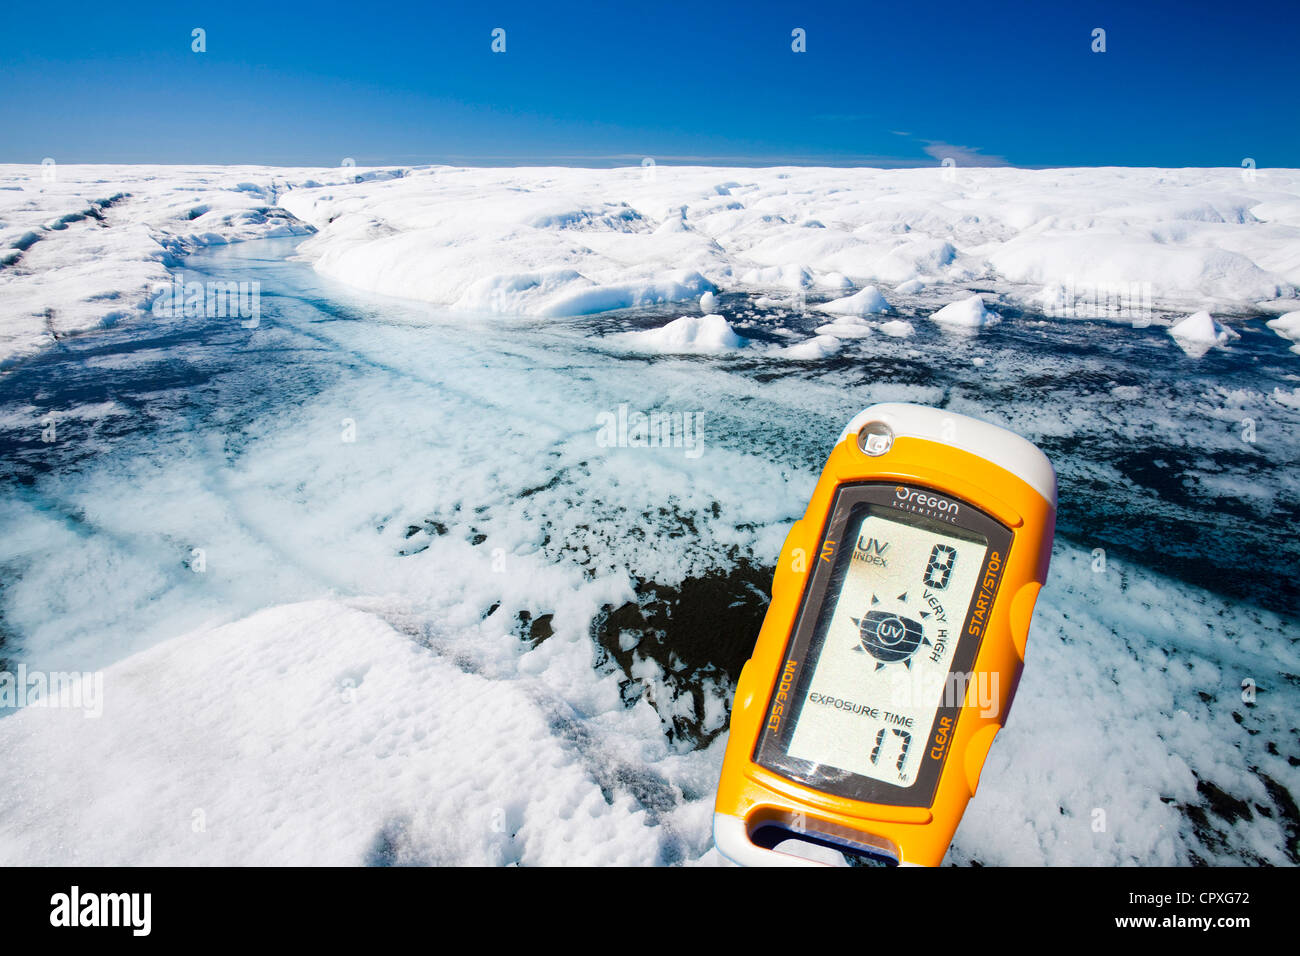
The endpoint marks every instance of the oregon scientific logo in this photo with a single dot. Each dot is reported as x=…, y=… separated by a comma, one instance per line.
x=916, y=498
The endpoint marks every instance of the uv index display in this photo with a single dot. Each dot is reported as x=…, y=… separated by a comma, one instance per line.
x=883, y=645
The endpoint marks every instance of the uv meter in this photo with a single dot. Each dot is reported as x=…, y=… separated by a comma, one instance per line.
x=894, y=642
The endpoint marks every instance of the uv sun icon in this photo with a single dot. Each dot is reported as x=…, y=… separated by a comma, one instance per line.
x=889, y=637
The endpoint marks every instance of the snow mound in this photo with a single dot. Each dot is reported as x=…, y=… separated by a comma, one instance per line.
x=966, y=313
x=1198, y=333
x=917, y=258
x=1287, y=326
x=689, y=333
x=897, y=328
x=589, y=298
x=819, y=347
x=846, y=327
x=867, y=302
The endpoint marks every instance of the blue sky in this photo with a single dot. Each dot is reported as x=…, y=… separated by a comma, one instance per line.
x=897, y=83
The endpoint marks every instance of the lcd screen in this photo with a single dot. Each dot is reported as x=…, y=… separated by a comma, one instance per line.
x=879, y=676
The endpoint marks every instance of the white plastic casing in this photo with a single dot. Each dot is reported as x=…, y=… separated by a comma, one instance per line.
x=1003, y=448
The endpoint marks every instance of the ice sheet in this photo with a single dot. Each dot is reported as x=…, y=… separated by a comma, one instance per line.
x=477, y=557
x=84, y=246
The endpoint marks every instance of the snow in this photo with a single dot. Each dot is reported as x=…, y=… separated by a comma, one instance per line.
x=790, y=276
x=1287, y=326
x=319, y=712
x=851, y=309
x=346, y=681
x=86, y=249
x=1102, y=258
x=866, y=302
x=847, y=327
x=91, y=246
x=1198, y=333
x=1288, y=397
x=967, y=313
x=818, y=347
x=689, y=333
x=834, y=280
x=713, y=335
x=897, y=328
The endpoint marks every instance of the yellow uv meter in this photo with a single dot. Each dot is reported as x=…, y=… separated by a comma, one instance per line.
x=891, y=650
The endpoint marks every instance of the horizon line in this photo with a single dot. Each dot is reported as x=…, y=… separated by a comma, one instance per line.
x=621, y=161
